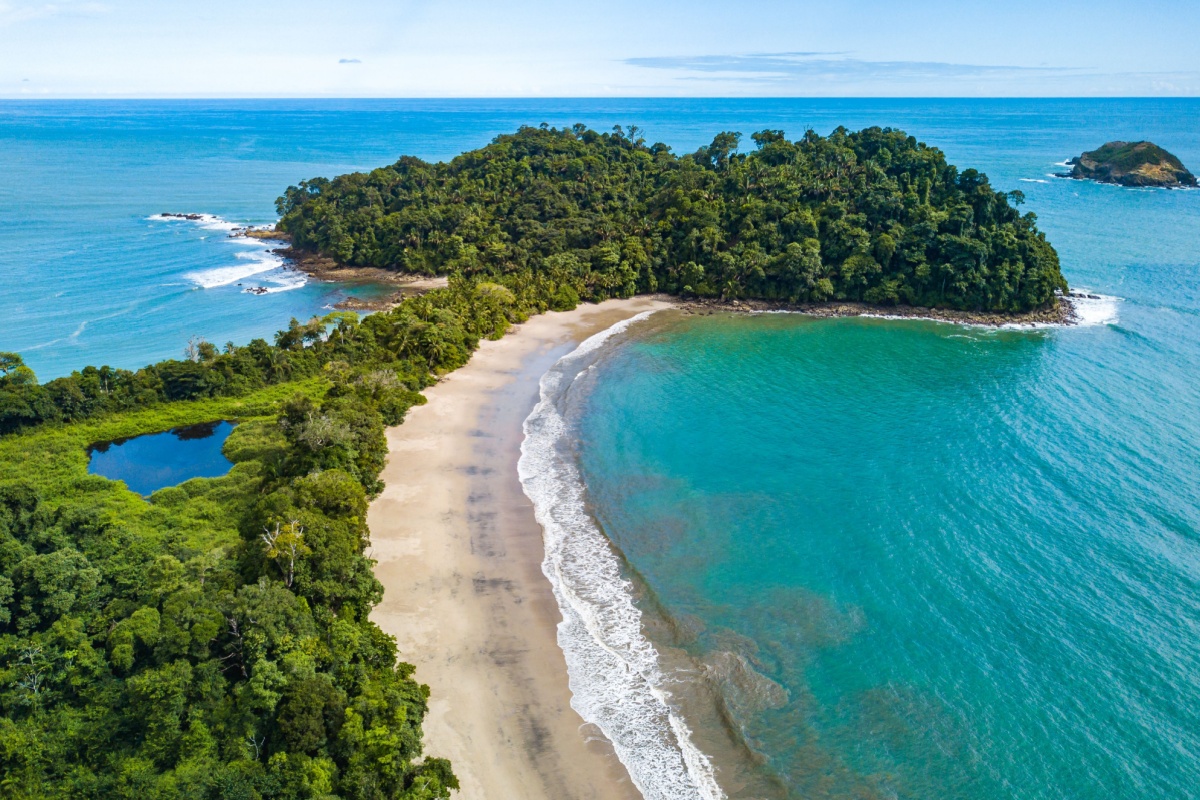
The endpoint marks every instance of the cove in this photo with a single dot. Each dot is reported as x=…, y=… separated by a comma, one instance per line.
x=156, y=460
x=903, y=559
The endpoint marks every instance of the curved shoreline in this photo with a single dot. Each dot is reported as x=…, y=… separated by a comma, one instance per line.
x=323, y=268
x=615, y=672
x=465, y=567
x=459, y=553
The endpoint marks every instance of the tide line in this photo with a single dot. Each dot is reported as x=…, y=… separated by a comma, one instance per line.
x=614, y=670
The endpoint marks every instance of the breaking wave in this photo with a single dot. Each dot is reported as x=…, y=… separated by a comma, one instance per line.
x=1095, y=309
x=614, y=670
x=258, y=260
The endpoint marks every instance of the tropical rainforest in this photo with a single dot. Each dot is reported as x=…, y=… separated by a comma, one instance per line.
x=213, y=640
x=873, y=216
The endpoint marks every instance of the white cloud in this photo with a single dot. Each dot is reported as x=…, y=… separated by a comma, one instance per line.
x=14, y=13
x=825, y=74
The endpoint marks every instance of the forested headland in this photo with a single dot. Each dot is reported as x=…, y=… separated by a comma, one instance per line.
x=872, y=216
x=213, y=640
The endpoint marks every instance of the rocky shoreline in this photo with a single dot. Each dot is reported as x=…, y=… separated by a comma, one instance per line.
x=269, y=234
x=1063, y=313
x=326, y=269
x=320, y=268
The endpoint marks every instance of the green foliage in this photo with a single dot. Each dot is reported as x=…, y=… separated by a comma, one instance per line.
x=870, y=216
x=381, y=362
x=133, y=662
x=214, y=641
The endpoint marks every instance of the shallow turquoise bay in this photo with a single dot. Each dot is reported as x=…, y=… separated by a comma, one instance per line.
x=968, y=557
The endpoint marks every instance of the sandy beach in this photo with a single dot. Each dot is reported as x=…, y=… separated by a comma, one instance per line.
x=459, y=554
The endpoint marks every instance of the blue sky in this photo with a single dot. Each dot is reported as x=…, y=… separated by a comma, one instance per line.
x=411, y=48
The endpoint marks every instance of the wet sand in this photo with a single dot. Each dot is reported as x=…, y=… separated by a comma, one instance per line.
x=459, y=554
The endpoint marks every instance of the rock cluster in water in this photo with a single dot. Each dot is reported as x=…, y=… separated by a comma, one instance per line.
x=1131, y=164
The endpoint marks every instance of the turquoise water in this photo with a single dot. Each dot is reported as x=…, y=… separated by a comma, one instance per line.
x=913, y=559
x=156, y=460
x=877, y=558
x=969, y=558
x=90, y=277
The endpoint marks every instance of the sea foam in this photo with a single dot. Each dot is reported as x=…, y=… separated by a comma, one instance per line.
x=614, y=673
x=1095, y=309
x=258, y=259
x=1090, y=309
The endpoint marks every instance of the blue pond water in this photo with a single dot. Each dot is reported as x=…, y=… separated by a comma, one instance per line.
x=151, y=462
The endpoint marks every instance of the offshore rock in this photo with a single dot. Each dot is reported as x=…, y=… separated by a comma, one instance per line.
x=1131, y=164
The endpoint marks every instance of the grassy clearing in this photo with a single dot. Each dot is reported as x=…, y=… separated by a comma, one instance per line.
x=54, y=461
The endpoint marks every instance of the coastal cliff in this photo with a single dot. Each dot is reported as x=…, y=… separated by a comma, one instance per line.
x=1131, y=164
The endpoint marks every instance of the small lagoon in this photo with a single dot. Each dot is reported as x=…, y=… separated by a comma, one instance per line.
x=157, y=460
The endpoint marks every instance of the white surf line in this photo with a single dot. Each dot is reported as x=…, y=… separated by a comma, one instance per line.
x=258, y=260
x=1091, y=310
x=613, y=669
x=1095, y=309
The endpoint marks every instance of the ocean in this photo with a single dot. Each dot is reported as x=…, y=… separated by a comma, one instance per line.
x=797, y=557
x=880, y=558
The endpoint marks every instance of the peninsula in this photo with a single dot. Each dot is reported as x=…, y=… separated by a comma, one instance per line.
x=872, y=216
x=1131, y=164
x=243, y=635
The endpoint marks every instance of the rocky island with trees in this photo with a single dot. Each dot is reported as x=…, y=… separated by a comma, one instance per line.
x=1131, y=164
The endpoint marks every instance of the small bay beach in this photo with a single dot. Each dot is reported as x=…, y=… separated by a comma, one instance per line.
x=459, y=554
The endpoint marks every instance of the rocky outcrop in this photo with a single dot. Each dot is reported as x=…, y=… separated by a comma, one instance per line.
x=1131, y=164
x=1061, y=312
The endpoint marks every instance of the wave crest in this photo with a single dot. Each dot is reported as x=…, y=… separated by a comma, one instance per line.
x=613, y=669
x=1095, y=309
x=259, y=259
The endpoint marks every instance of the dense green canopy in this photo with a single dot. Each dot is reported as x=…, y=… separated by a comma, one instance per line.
x=872, y=216
x=214, y=641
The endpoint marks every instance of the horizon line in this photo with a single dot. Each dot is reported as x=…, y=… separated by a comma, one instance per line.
x=104, y=98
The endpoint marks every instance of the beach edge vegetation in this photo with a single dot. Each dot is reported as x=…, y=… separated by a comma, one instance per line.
x=213, y=640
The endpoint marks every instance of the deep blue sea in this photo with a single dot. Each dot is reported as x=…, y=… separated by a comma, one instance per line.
x=865, y=558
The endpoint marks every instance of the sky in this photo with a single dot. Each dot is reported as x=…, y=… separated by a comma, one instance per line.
x=539, y=48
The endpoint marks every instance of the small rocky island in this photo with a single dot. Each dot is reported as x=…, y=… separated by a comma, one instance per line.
x=1131, y=164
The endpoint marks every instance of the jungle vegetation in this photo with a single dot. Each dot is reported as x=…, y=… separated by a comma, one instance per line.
x=213, y=640
x=871, y=216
